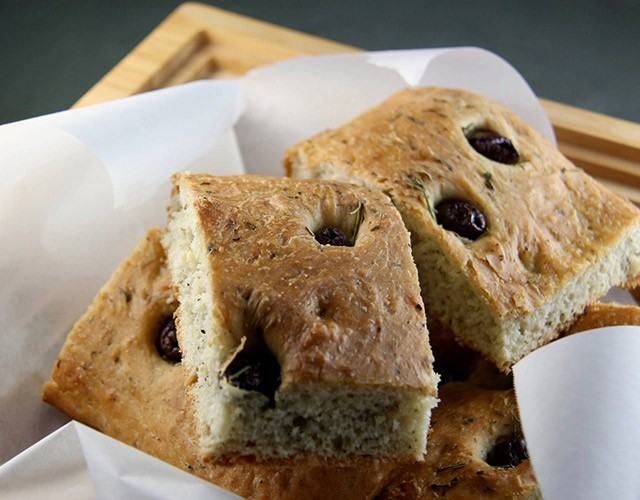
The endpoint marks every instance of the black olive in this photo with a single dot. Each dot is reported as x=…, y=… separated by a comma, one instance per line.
x=461, y=217
x=508, y=451
x=493, y=146
x=167, y=341
x=331, y=236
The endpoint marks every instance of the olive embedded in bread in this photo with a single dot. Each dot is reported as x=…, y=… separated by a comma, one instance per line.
x=255, y=370
x=331, y=236
x=167, y=341
x=493, y=146
x=462, y=218
x=508, y=451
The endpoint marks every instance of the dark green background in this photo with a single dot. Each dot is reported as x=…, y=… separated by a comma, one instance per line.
x=581, y=53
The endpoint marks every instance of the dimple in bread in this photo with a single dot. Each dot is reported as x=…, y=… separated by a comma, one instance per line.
x=510, y=239
x=300, y=321
x=109, y=375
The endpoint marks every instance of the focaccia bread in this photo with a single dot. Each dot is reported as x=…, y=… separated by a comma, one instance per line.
x=511, y=240
x=300, y=322
x=111, y=375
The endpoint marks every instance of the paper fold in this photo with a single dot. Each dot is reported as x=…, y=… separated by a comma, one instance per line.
x=52, y=468
x=295, y=99
x=119, y=471
x=78, y=462
x=142, y=141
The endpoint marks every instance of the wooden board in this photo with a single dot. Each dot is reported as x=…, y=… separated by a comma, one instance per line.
x=198, y=41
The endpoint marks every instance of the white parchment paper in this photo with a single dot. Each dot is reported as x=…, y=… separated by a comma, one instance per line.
x=78, y=462
x=578, y=401
x=79, y=188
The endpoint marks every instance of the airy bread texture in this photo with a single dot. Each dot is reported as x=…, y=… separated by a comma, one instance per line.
x=292, y=346
x=109, y=376
x=555, y=239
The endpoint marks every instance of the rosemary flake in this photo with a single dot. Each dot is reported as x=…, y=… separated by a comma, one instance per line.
x=487, y=180
x=446, y=164
x=415, y=181
x=212, y=248
x=466, y=129
x=515, y=416
x=445, y=486
x=126, y=294
x=457, y=465
x=235, y=375
x=359, y=213
x=395, y=138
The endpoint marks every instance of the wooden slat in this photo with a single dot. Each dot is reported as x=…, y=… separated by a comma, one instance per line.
x=233, y=44
x=606, y=147
x=198, y=41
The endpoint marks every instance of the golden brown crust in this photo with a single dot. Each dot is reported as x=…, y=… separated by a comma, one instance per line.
x=332, y=314
x=109, y=376
x=599, y=315
x=116, y=337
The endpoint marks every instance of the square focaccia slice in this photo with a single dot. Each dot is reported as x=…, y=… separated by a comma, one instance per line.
x=300, y=322
x=511, y=240
x=119, y=372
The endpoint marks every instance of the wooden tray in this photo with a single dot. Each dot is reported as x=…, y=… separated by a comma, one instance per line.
x=198, y=41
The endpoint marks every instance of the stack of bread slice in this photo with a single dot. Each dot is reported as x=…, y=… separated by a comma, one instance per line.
x=273, y=339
